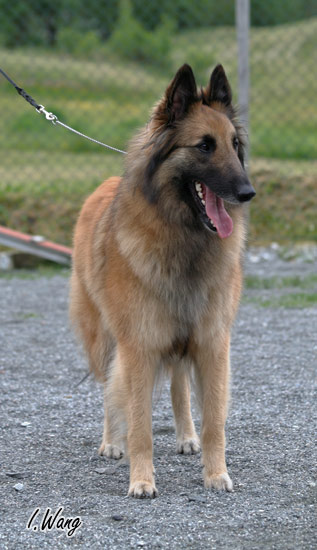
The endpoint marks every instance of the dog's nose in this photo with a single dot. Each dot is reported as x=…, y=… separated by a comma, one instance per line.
x=246, y=193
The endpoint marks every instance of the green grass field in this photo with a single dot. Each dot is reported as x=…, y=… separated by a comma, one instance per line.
x=46, y=172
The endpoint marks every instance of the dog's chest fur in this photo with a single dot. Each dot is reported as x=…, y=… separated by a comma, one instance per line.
x=183, y=280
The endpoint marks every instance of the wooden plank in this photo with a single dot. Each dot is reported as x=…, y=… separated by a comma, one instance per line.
x=36, y=245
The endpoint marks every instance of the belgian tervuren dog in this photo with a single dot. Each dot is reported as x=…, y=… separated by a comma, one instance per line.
x=157, y=276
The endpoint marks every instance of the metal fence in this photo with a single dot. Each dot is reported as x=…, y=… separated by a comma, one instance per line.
x=100, y=66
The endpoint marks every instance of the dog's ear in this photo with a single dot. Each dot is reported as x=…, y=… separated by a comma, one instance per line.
x=179, y=95
x=218, y=88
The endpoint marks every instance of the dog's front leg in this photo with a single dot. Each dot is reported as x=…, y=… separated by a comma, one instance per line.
x=138, y=380
x=213, y=370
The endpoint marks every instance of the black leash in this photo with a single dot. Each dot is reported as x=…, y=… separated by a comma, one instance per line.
x=51, y=117
x=82, y=380
x=21, y=92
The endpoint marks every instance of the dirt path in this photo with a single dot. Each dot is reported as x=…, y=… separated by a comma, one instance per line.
x=50, y=432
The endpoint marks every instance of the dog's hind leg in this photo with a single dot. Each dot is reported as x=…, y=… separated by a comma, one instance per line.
x=99, y=346
x=96, y=338
x=113, y=430
x=187, y=441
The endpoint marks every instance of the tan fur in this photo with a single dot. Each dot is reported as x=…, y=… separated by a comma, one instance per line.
x=136, y=312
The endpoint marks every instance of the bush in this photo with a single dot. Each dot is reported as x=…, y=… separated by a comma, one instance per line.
x=132, y=41
x=75, y=42
x=186, y=13
x=38, y=22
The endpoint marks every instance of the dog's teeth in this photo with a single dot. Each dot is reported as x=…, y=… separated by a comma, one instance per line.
x=203, y=202
x=198, y=187
x=200, y=195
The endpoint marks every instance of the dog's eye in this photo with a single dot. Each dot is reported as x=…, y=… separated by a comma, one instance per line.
x=235, y=143
x=206, y=147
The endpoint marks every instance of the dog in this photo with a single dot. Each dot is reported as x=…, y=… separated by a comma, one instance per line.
x=157, y=276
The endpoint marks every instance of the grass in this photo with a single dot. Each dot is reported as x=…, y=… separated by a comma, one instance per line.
x=290, y=298
x=266, y=283
x=292, y=301
x=26, y=316
x=42, y=194
x=109, y=98
x=284, y=209
x=283, y=108
x=45, y=196
x=46, y=172
x=46, y=270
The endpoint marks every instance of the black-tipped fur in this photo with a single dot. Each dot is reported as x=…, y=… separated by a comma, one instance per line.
x=218, y=88
x=181, y=94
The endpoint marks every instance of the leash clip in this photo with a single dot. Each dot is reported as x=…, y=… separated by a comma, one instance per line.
x=49, y=116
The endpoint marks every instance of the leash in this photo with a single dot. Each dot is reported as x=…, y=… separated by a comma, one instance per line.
x=53, y=118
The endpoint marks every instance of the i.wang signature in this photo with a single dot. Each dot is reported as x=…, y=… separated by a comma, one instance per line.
x=51, y=520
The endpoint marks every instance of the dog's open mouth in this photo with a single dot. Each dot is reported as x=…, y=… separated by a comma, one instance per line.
x=212, y=210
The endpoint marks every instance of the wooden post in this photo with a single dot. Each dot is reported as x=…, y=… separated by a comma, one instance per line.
x=242, y=26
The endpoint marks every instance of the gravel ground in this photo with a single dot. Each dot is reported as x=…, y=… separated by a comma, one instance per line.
x=51, y=431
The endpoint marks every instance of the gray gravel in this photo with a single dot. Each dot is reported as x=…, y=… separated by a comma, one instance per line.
x=51, y=431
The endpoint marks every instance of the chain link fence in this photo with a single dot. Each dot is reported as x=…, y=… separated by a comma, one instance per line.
x=99, y=66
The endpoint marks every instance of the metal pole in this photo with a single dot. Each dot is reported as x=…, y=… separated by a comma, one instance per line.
x=242, y=26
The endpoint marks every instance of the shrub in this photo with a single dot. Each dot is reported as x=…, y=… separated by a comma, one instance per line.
x=132, y=41
x=75, y=42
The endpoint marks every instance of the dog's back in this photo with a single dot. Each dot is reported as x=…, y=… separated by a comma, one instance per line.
x=94, y=208
x=84, y=313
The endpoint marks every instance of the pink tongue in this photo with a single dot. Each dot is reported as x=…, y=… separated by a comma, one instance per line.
x=217, y=213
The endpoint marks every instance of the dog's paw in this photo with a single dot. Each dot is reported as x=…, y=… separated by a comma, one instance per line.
x=187, y=446
x=110, y=451
x=142, y=489
x=220, y=482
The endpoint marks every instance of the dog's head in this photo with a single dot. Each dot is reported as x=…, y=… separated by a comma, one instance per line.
x=196, y=153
